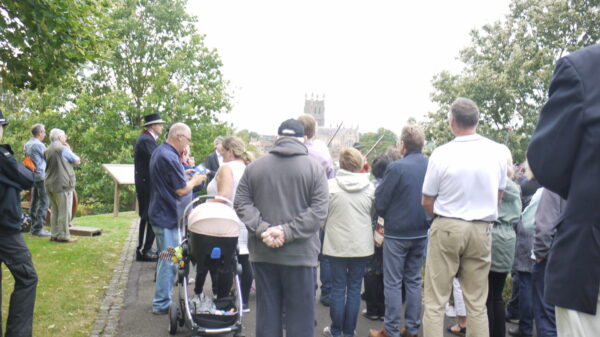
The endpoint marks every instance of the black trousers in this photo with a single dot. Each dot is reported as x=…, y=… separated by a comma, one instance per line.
x=247, y=277
x=495, y=304
x=15, y=254
x=201, y=247
x=145, y=233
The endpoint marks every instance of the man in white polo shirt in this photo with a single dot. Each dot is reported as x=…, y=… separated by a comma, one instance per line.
x=463, y=184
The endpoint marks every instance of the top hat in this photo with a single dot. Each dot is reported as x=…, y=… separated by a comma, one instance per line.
x=2, y=119
x=291, y=128
x=153, y=119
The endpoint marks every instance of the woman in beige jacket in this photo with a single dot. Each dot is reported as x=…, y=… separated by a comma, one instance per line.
x=348, y=240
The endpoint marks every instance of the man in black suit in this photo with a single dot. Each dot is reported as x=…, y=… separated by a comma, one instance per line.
x=564, y=155
x=144, y=146
x=214, y=160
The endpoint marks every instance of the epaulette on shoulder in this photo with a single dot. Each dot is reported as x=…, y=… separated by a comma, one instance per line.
x=5, y=152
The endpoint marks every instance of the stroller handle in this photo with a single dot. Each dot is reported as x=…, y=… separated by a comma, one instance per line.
x=183, y=220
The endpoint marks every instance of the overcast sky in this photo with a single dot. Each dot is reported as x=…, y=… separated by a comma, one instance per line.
x=373, y=60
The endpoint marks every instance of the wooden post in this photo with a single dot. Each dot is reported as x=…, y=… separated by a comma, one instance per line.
x=117, y=199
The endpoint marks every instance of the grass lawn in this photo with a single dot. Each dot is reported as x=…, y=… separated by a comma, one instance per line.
x=72, y=277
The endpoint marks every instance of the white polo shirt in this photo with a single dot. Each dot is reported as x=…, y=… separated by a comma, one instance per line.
x=465, y=176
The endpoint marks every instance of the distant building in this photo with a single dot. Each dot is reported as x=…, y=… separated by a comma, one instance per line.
x=315, y=106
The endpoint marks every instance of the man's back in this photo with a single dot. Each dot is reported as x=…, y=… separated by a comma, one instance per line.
x=284, y=187
x=564, y=155
x=468, y=173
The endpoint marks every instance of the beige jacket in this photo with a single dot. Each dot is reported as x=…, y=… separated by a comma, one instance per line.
x=348, y=230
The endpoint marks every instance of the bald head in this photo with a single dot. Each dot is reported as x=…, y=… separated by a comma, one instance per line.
x=180, y=136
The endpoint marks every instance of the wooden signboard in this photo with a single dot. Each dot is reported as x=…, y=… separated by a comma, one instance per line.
x=122, y=174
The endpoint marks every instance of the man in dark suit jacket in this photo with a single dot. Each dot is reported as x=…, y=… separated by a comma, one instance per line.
x=212, y=161
x=144, y=146
x=564, y=155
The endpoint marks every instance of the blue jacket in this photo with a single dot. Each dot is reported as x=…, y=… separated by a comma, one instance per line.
x=564, y=154
x=398, y=198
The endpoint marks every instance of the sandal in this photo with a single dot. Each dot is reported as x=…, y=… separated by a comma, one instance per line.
x=461, y=332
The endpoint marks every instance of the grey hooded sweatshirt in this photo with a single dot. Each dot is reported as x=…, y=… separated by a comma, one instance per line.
x=285, y=187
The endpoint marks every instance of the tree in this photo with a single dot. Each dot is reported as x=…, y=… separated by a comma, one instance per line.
x=508, y=68
x=42, y=42
x=367, y=140
x=159, y=64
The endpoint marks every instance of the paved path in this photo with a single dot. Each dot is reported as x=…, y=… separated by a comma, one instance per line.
x=137, y=320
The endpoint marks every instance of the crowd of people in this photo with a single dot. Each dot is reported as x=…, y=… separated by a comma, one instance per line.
x=463, y=215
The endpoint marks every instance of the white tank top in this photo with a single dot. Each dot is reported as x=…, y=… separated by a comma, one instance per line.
x=237, y=168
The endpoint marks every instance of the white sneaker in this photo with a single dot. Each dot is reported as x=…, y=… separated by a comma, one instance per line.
x=327, y=332
x=450, y=311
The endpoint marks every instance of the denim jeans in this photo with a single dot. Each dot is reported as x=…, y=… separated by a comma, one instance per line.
x=346, y=277
x=166, y=271
x=325, y=277
x=525, y=303
x=39, y=207
x=402, y=263
x=545, y=321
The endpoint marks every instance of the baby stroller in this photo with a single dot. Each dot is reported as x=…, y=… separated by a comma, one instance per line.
x=224, y=315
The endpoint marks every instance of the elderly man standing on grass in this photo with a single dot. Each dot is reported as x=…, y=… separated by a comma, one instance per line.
x=60, y=184
x=34, y=149
x=13, y=249
x=462, y=187
x=169, y=183
x=283, y=200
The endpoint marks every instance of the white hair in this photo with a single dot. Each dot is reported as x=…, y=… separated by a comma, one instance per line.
x=55, y=134
x=178, y=129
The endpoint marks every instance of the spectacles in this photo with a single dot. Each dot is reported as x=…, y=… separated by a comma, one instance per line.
x=186, y=137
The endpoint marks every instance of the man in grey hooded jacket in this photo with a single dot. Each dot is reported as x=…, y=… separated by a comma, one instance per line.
x=283, y=200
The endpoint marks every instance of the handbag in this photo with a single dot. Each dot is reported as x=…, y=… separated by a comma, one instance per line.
x=29, y=163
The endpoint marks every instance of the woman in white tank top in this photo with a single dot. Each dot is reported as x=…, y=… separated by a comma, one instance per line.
x=227, y=178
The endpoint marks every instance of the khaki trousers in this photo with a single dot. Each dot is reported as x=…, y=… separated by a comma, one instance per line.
x=463, y=249
x=61, y=204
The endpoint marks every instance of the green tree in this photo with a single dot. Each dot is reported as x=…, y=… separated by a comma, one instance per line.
x=368, y=139
x=159, y=64
x=508, y=68
x=42, y=42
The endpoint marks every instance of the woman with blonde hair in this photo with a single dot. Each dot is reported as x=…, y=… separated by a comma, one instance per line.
x=348, y=240
x=223, y=187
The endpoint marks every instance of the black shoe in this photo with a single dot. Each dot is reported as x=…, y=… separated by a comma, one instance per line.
x=517, y=333
x=146, y=257
x=370, y=316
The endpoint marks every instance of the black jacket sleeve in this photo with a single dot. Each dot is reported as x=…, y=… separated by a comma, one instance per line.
x=555, y=143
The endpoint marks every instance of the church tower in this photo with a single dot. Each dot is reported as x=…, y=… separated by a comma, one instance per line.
x=315, y=106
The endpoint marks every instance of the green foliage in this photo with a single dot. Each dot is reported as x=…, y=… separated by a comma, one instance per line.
x=159, y=63
x=508, y=68
x=43, y=42
x=367, y=140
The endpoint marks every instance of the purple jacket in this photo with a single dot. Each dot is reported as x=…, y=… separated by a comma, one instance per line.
x=319, y=151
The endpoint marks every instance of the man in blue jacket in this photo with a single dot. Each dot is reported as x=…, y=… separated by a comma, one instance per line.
x=564, y=155
x=398, y=201
x=13, y=251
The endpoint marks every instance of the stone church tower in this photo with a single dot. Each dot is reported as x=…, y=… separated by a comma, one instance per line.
x=315, y=106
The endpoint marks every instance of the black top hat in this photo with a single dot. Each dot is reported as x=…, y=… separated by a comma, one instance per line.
x=291, y=128
x=153, y=119
x=2, y=119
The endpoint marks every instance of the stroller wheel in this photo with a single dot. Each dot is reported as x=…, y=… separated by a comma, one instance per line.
x=173, y=313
